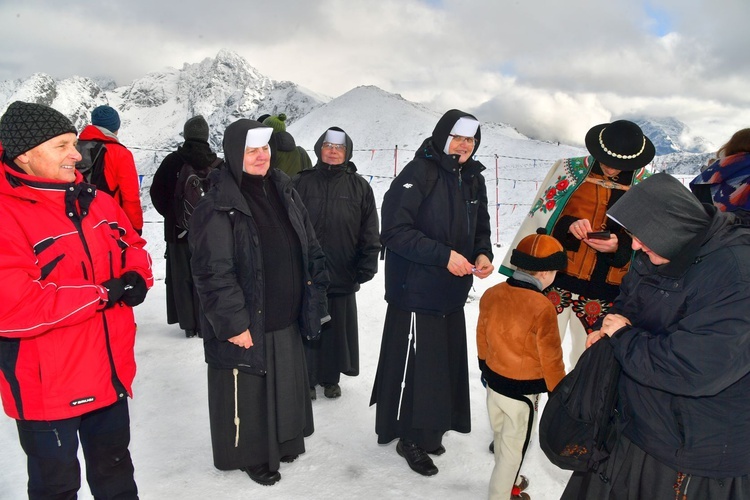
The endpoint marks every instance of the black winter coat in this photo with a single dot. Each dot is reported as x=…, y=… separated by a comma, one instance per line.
x=686, y=359
x=433, y=206
x=342, y=208
x=227, y=263
x=196, y=153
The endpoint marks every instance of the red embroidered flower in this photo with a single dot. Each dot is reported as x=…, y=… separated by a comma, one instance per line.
x=550, y=205
x=562, y=185
x=554, y=297
x=551, y=193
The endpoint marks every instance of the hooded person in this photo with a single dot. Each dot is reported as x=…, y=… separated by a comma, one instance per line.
x=344, y=213
x=679, y=330
x=288, y=157
x=119, y=165
x=71, y=270
x=572, y=205
x=260, y=276
x=182, y=302
x=436, y=233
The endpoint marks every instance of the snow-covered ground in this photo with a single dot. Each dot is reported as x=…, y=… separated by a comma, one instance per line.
x=170, y=437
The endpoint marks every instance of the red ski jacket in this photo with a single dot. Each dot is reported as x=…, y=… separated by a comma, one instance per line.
x=62, y=354
x=120, y=173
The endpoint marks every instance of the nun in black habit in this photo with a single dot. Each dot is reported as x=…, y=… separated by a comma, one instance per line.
x=260, y=276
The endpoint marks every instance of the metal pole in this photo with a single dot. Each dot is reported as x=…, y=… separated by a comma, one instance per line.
x=395, y=161
x=497, y=200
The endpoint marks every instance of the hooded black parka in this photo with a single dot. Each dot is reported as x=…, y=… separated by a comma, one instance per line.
x=433, y=206
x=342, y=207
x=227, y=262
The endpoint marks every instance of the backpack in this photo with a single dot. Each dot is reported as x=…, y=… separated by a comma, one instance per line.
x=91, y=165
x=578, y=428
x=192, y=185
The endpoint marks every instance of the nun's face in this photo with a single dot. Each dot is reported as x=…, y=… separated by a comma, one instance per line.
x=332, y=154
x=257, y=160
x=655, y=258
x=461, y=146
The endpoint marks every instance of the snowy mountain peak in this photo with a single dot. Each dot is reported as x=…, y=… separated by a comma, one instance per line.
x=670, y=135
x=154, y=108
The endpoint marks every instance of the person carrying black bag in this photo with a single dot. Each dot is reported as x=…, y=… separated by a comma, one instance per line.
x=679, y=329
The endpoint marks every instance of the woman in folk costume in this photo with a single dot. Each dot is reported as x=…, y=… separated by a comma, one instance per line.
x=260, y=276
x=572, y=203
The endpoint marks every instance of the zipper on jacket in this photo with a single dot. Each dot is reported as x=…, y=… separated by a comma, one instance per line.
x=118, y=386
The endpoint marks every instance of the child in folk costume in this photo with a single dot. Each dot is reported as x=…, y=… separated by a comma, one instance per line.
x=520, y=355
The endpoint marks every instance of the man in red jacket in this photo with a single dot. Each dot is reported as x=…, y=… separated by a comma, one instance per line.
x=71, y=270
x=119, y=165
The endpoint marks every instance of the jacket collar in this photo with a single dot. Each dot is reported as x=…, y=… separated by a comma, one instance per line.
x=447, y=162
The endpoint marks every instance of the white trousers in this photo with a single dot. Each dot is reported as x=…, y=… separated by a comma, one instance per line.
x=567, y=320
x=512, y=422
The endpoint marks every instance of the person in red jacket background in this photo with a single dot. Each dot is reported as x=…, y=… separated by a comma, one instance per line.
x=119, y=165
x=71, y=270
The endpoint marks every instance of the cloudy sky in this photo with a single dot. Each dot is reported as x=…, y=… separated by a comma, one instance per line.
x=551, y=68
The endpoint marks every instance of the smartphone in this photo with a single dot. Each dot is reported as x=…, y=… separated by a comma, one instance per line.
x=598, y=235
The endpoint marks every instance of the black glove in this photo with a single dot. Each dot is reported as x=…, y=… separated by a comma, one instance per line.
x=135, y=288
x=115, y=288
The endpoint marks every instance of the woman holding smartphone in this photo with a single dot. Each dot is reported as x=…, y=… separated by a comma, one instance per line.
x=572, y=206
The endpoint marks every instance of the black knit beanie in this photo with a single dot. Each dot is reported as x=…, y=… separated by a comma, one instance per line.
x=662, y=213
x=26, y=125
x=196, y=128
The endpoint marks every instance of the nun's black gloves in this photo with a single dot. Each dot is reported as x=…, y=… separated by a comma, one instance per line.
x=130, y=289
x=135, y=288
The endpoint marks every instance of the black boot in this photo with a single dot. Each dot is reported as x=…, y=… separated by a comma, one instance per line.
x=189, y=334
x=262, y=475
x=416, y=457
x=331, y=390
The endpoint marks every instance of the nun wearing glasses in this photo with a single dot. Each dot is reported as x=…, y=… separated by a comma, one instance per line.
x=343, y=211
x=436, y=233
x=261, y=280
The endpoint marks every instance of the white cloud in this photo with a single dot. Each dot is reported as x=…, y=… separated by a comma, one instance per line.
x=550, y=68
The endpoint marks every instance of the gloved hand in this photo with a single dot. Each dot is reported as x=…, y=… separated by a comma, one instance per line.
x=134, y=290
x=115, y=288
